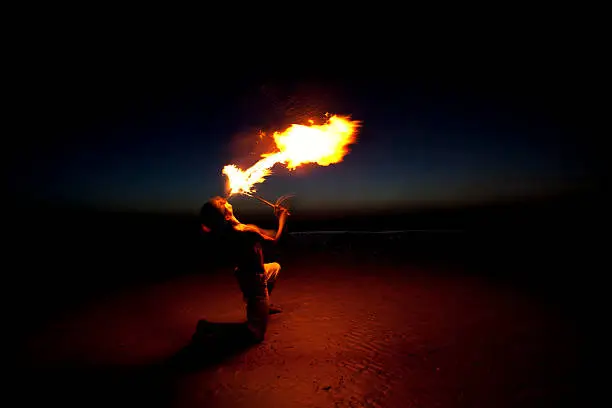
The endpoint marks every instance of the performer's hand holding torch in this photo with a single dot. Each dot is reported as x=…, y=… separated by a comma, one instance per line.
x=281, y=211
x=278, y=206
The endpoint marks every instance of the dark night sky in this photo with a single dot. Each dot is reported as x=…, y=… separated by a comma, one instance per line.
x=144, y=134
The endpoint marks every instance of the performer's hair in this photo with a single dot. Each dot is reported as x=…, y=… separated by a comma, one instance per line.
x=212, y=214
x=219, y=231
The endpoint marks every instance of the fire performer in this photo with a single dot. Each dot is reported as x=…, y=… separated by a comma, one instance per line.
x=324, y=145
x=255, y=278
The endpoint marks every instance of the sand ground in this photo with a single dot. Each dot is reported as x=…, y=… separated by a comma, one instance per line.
x=352, y=334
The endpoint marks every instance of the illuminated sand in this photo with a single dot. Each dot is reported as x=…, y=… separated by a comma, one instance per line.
x=353, y=334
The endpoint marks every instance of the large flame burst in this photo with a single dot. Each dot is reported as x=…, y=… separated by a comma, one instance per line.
x=299, y=144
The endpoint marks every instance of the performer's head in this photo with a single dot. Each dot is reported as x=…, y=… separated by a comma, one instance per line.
x=217, y=214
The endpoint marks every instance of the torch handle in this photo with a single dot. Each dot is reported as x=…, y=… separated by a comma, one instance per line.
x=263, y=200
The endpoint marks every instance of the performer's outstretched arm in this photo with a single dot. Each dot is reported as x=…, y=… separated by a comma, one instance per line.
x=268, y=235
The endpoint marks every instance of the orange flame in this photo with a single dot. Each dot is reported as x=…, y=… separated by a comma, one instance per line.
x=299, y=144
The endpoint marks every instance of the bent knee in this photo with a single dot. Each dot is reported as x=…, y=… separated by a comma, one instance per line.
x=272, y=268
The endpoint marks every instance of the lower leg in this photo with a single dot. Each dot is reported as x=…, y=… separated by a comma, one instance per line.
x=271, y=270
x=271, y=286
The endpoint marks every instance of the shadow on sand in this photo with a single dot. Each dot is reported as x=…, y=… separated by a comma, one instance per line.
x=211, y=344
x=151, y=384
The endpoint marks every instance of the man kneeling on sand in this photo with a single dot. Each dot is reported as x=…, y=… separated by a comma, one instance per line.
x=256, y=278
